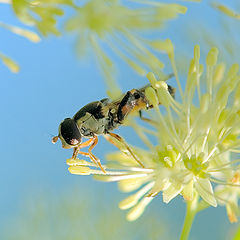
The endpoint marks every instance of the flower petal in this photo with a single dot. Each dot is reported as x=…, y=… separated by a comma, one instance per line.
x=129, y=185
x=204, y=188
x=232, y=211
x=133, y=199
x=137, y=211
x=171, y=192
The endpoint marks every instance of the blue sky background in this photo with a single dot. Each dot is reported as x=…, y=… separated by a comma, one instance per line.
x=54, y=84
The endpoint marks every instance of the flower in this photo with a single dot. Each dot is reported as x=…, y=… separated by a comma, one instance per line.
x=228, y=195
x=197, y=137
x=41, y=14
x=107, y=27
x=226, y=10
x=11, y=64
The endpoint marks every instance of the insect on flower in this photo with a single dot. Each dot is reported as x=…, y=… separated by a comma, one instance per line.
x=100, y=118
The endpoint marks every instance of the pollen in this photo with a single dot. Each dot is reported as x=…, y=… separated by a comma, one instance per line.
x=195, y=164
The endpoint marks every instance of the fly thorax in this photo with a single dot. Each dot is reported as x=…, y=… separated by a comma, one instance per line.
x=90, y=126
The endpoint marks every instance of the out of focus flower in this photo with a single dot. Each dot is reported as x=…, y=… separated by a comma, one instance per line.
x=41, y=13
x=228, y=195
x=197, y=138
x=77, y=215
x=222, y=33
x=104, y=25
x=11, y=64
x=226, y=10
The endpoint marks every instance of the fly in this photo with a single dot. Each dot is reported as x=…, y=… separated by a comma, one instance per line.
x=101, y=118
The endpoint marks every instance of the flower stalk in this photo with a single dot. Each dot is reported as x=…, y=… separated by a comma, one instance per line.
x=191, y=211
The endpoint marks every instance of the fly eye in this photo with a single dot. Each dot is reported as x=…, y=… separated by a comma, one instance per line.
x=69, y=132
x=136, y=95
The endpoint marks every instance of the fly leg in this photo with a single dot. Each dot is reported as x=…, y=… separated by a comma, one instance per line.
x=89, y=154
x=150, y=121
x=95, y=160
x=121, y=140
x=93, y=157
x=82, y=145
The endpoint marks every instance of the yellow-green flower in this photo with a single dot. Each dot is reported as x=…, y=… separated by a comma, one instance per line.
x=107, y=27
x=197, y=136
x=226, y=10
x=11, y=64
x=228, y=195
x=42, y=14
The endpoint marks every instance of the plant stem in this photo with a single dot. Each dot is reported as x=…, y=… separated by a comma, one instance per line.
x=237, y=234
x=190, y=214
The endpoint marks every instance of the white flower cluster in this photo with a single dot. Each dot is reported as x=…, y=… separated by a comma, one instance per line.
x=196, y=154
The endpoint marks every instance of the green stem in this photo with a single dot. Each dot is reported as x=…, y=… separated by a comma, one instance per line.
x=190, y=214
x=237, y=234
x=202, y=205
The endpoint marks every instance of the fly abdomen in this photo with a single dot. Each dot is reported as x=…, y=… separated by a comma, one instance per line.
x=133, y=101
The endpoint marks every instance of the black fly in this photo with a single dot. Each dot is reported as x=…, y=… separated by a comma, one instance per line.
x=100, y=118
